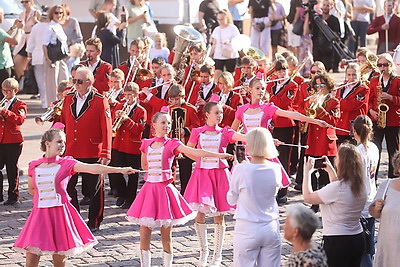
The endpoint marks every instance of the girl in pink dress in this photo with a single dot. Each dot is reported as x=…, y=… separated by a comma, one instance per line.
x=259, y=114
x=54, y=226
x=209, y=183
x=159, y=203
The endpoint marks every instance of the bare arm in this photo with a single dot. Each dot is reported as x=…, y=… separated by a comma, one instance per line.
x=101, y=169
x=235, y=124
x=239, y=137
x=30, y=186
x=375, y=209
x=300, y=117
x=202, y=153
x=202, y=22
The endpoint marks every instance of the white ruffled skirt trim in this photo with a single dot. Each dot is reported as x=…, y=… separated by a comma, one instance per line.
x=70, y=252
x=151, y=223
x=209, y=210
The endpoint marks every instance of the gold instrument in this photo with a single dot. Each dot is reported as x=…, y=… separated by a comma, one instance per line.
x=179, y=124
x=143, y=75
x=119, y=121
x=271, y=70
x=50, y=113
x=201, y=89
x=110, y=93
x=3, y=102
x=299, y=68
x=316, y=101
x=368, y=66
x=186, y=36
x=382, y=107
x=242, y=43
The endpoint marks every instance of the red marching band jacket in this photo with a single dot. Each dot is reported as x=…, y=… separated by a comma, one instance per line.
x=393, y=114
x=304, y=91
x=89, y=132
x=234, y=100
x=101, y=75
x=198, y=92
x=320, y=140
x=10, y=121
x=354, y=104
x=283, y=99
x=129, y=136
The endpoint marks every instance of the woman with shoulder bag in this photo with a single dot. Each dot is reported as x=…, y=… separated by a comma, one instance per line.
x=55, y=49
x=224, y=54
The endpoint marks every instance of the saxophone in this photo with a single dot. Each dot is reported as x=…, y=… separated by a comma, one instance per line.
x=382, y=107
x=317, y=101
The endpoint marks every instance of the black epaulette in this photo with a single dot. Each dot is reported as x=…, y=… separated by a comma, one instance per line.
x=98, y=95
x=71, y=93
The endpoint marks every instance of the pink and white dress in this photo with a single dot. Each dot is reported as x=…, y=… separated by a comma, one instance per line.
x=261, y=119
x=159, y=203
x=209, y=183
x=54, y=225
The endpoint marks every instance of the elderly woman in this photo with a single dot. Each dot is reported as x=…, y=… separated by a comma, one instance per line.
x=386, y=206
x=341, y=202
x=253, y=189
x=300, y=225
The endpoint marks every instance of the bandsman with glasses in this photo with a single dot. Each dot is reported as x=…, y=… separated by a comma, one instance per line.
x=87, y=118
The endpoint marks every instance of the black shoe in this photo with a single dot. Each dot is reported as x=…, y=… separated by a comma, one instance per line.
x=281, y=200
x=10, y=202
x=299, y=187
x=315, y=208
x=94, y=229
x=85, y=201
x=126, y=206
x=120, y=201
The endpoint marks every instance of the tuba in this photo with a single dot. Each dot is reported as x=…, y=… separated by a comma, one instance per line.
x=382, y=107
x=186, y=36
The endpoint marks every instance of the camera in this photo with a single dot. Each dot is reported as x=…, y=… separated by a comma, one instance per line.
x=319, y=163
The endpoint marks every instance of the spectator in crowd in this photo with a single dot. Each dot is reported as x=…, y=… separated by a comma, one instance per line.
x=294, y=15
x=386, y=207
x=238, y=11
x=76, y=52
x=109, y=40
x=29, y=17
x=341, y=202
x=299, y=228
x=208, y=11
x=6, y=61
x=362, y=10
x=260, y=25
x=160, y=48
x=387, y=24
x=224, y=54
x=71, y=28
x=34, y=47
x=54, y=72
x=277, y=18
x=137, y=18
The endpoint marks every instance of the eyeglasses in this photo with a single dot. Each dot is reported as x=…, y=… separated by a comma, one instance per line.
x=78, y=81
x=58, y=13
x=383, y=64
x=319, y=85
x=7, y=91
x=314, y=72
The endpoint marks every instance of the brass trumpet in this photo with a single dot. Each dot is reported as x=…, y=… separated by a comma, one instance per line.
x=50, y=113
x=119, y=121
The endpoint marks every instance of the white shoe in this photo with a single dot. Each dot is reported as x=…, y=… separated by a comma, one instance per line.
x=145, y=258
x=167, y=259
x=201, y=231
x=219, y=235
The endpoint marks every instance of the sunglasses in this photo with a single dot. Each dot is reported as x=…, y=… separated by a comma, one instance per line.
x=319, y=86
x=78, y=81
x=24, y=2
x=383, y=64
x=314, y=72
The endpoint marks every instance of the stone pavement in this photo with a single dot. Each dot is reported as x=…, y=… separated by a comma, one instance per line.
x=118, y=238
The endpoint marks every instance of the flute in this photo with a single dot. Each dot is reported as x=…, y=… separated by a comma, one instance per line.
x=295, y=145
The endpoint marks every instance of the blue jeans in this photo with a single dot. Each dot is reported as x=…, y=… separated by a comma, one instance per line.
x=360, y=29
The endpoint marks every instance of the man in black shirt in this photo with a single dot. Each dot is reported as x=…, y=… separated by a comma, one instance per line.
x=322, y=48
x=208, y=10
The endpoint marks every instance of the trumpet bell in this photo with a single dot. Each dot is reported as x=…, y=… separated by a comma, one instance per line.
x=144, y=75
x=254, y=52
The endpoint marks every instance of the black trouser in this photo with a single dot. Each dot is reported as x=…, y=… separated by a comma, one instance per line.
x=391, y=134
x=344, y=250
x=286, y=135
x=299, y=174
x=124, y=190
x=185, y=171
x=95, y=184
x=9, y=155
x=4, y=74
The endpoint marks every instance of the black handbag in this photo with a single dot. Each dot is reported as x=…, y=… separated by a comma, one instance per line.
x=29, y=81
x=367, y=235
x=298, y=27
x=55, y=51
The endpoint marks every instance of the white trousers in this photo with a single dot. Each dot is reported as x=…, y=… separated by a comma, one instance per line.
x=256, y=244
x=53, y=76
x=40, y=80
x=261, y=40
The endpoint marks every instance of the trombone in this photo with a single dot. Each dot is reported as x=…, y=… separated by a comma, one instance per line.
x=119, y=121
x=3, y=102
